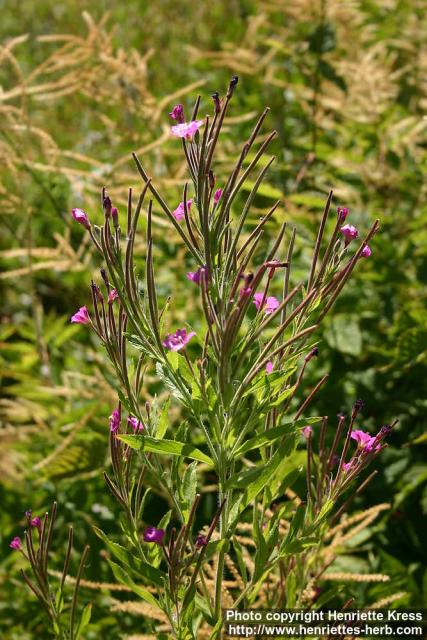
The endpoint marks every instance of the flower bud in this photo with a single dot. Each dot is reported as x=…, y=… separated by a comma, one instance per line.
x=115, y=216
x=106, y=204
x=104, y=277
x=81, y=217
x=217, y=102
x=342, y=213
x=16, y=544
x=233, y=82
x=177, y=113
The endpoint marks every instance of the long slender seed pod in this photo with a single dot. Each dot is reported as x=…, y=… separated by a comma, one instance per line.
x=288, y=273
x=310, y=397
x=76, y=591
x=67, y=558
x=319, y=240
x=168, y=212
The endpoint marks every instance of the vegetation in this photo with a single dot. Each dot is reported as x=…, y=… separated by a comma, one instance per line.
x=345, y=84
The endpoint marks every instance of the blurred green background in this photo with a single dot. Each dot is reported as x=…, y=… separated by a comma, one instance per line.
x=347, y=87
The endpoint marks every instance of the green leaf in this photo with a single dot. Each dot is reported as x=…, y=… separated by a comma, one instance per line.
x=163, y=422
x=171, y=447
x=189, y=484
x=264, y=476
x=139, y=566
x=124, y=578
x=296, y=524
x=271, y=435
x=324, y=511
x=173, y=359
x=84, y=620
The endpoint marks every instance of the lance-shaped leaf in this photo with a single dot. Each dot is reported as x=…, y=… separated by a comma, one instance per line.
x=143, y=569
x=266, y=437
x=169, y=447
x=124, y=578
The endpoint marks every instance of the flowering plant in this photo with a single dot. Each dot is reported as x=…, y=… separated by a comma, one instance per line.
x=238, y=376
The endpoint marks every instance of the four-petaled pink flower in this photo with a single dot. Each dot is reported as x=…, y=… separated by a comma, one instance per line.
x=151, y=534
x=135, y=424
x=176, y=341
x=115, y=421
x=270, y=303
x=217, y=195
x=179, y=212
x=366, y=251
x=307, y=431
x=16, y=544
x=113, y=295
x=81, y=316
x=364, y=440
x=269, y=367
x=177, y=113
x=81, y=217
x=349, y=232
x=196, y=276
x=186, y=129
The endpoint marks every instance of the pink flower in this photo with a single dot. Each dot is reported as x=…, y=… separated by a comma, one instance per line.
x=135, y=424
x=81, y=316
x=16, y=544
x=186, y=129
x=81, y=217
x=113, y=295
x=347, y=465
x=342, y=213
x=269, y=367
x=217, y=195
x=364, y=440
x=196, y=276
x=349, y=232
x=176, y=341
x=151, y=534
x=270, y=304
x=115, y=421
x=366, y=251
x=177, y=113
x=36, y=522
x=179, y=212
x=307, y=431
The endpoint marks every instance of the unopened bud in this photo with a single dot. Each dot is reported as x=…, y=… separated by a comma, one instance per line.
x=211, y=177
x=217, y=102
x=312, y=354
x=105, y=278
x=97, y=291
x=106, y=204
x=358, y=405
x=115, y=217
x=233, y=82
